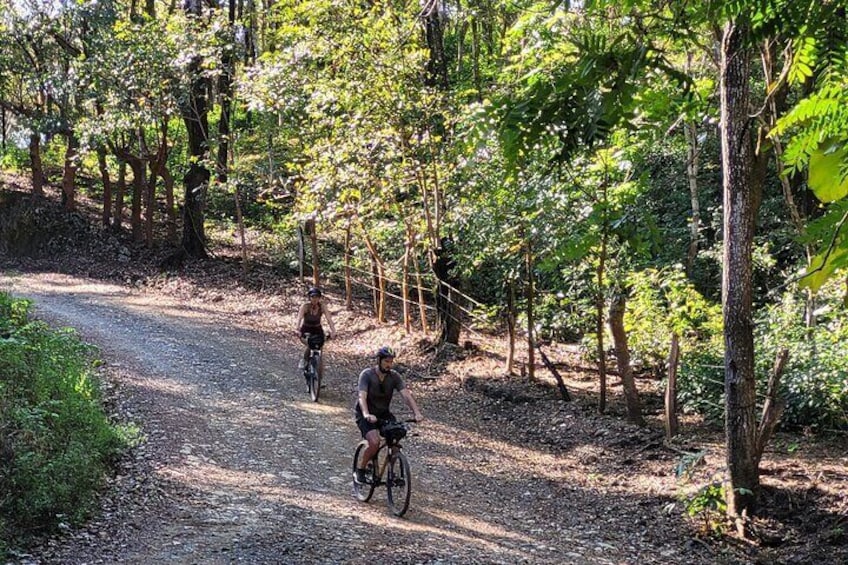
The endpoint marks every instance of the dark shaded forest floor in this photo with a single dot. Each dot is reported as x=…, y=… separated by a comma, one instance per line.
x=517, y=475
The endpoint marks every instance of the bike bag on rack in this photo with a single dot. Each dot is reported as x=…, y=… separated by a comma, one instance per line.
x=393, y=431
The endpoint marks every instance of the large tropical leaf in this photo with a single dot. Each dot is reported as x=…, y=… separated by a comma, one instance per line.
x=827, y=172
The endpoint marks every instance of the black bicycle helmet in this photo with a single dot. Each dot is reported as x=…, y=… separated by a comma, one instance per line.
x=314, y=291
x=385, y=351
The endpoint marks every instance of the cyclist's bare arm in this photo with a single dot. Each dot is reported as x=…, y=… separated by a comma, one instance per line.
x=329, y=319
x=407, y=397
x=301, y=313
x=363, y=404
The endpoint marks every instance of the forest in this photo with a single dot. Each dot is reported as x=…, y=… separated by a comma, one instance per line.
x=663, y=186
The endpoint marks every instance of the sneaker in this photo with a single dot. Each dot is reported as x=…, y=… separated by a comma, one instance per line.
x=360, y=477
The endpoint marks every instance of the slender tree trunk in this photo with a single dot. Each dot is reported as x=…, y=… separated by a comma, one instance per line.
x=599, y=324
x=150, y=204
x=240, y=222
x=475, y=57
x=379, y=279
x=410, y=241
x=422, y=310
x=671, y=422
x=106, y=216
x=313, y=239
x=301, y=252
x=692, y=175
x=348, y=284
x=168, y=179
x=510, y=325
x=531, y=321
x=622, y=355
x=741, y=201
x=4, y=130
x=120, y=191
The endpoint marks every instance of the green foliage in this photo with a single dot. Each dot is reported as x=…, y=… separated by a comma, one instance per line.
x=709, y=504
x=663, y=302
x=14, y=159
x=814, y=384
x=56, y=443
x=815, y=381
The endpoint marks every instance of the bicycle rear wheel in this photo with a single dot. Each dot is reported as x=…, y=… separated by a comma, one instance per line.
x=363, y=492
x=399, y=484
x=314, y=378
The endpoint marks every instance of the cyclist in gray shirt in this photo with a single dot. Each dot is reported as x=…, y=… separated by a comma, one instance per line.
x=376, y=388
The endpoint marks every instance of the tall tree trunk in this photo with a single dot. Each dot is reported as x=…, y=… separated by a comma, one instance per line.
x=741, y=187
x=692, y=175
x=225, y=91
x=437, y=65
x=447, y=310
x=622, y=355
x=196, y=181
x=106, y=216
x=35, y=164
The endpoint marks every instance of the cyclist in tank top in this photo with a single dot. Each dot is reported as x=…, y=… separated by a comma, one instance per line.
x=309, y=321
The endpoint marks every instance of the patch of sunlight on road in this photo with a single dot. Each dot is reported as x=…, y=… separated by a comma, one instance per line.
x=241, y=491
x=463, y=530
x=317, y=408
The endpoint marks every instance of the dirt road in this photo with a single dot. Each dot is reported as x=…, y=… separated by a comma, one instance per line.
x=239, y=466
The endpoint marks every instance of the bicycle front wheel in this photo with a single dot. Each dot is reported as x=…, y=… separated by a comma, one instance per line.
x=399, y=484
x=314, y=378
x=363, y=491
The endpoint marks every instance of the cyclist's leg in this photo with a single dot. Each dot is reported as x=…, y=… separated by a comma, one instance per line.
x=371, y=434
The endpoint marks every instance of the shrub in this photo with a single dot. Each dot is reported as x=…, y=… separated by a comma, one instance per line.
x=55, y=439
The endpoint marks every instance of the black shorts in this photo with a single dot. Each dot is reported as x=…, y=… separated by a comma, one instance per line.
x=365, y=426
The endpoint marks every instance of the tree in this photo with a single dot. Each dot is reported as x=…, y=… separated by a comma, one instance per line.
x=194, y=108
x=743, y=169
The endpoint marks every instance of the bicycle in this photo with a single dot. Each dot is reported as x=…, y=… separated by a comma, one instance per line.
x=313, y=371
x=389, y=459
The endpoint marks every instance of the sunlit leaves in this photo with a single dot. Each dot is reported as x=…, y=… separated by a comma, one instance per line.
x=831, y=232
x=827, y=175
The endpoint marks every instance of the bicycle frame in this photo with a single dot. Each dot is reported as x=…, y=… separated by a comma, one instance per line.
x=388, y=461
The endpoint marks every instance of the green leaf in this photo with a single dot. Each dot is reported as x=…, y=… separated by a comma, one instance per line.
x=826, y=179
x=824, y=265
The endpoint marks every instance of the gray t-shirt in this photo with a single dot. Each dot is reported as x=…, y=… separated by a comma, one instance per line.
x=379, y=394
